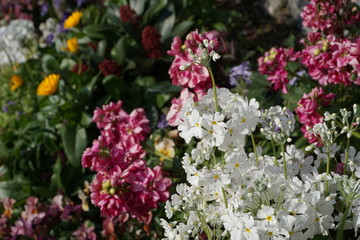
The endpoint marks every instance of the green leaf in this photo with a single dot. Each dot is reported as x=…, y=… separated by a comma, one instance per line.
x=49, y=64
x=164, y=87
x=181, y=28
x=118, y=51
x=146, y=81
x=134, y=32
x=101, y=48
x=56, y=177
x=74, y=142
x=96, y=30
x=138, y=6
x=153, y=10
x=292, y=66
x=290, y=41
x=166, y=21
x=67, y=63
x=115, y=86
x=11, y=189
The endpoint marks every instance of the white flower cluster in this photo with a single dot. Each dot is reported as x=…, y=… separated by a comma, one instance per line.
x=49, y=29
x=234, y=195
x=277, y=124
x=17, y=42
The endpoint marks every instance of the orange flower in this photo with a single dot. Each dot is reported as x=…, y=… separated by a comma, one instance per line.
x=49, y=85
x=16, y=82
x=72, y=45
x=73, y=20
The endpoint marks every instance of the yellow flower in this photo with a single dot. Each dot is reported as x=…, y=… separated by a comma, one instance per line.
x=165, y=148
x=72, y=45
x=73, y=20
x=49, y=85
x=16, y=82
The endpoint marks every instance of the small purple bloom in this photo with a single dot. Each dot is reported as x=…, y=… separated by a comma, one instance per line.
x=44, y=9
x=79, y=3
x=241, y=71
x=162, y=122
x=293, y=81
x=49, y=39
x=340, y=168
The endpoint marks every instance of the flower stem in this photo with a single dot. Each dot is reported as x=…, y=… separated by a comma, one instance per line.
x=274, y=152
x=340, y=231
x=255, y=151
x=327, y=170
x=214, y=88
x=346, y=154
x=284, y=160
x=224, y=195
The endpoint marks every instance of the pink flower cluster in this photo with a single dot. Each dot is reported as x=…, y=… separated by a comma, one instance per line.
x=195, y=77
x=123, y=184
x=329, y=16
x=273, y=65
x=37, y=219
x=320, y=15
x=332, y=60
x=307, y=110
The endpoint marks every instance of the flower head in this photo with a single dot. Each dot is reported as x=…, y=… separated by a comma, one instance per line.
x=72, y=45
x=16, y=82
x=73, y=20
x=151, y=42
x=108, y=67
x=128, y=15
x=49, y=85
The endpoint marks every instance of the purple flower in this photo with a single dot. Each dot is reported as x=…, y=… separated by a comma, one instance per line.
x=44, y=8
x=162, y=122
x=293, y=81
x=241, y=71
x=79, y=3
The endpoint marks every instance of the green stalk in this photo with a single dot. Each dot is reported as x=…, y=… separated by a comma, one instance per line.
x=274, y=152
x=346, y=154
x=327, y=170
x=255, y=151
x=340, y=231
x=214, y=88
x=224, y=195
x=284, y=160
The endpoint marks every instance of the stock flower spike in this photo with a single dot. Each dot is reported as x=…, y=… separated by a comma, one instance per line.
x=73, y=20
x=49, y=85
x=16, y=82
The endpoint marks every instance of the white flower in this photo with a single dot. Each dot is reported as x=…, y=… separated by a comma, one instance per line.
x=215, y=179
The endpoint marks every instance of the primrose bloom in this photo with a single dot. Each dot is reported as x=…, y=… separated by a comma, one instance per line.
x=73, y=20
x=49, y=85
x=16, y=82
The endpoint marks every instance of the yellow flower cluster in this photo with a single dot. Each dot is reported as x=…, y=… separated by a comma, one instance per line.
x=73, y=20
x=16, y=82
x=49, y=85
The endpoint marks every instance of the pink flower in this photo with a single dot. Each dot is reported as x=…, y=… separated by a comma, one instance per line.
x=194, y=75
x=176, y=104
x=273, y=65
x=85, y=233
x=307, y=110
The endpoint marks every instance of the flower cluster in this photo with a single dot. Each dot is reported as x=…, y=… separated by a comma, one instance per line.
x=128, y=15
x=184, y=71
x=150, y=39
x=37, y=219
x=123, y=183
x=240, y=72
x=307, y=110
x=17, y=42
x=108, y=67
x=49, y=85
x=273, y=65
x=190, y=68
x=332, y=61
x=234, y=195
x=277, y=124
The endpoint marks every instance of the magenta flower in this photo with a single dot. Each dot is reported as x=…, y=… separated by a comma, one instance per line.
x=85, y=233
